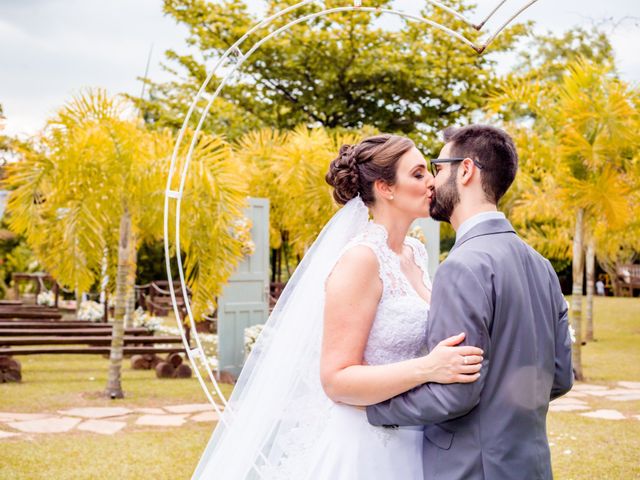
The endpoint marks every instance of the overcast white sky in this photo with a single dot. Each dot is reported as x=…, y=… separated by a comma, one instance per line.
x=50, y=49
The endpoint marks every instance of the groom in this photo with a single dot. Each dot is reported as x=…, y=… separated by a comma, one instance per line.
x=507, y=299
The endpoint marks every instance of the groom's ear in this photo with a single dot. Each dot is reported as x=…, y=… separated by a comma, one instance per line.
x=466, y=171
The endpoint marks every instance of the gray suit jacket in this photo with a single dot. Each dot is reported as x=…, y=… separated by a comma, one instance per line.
x=506, y=297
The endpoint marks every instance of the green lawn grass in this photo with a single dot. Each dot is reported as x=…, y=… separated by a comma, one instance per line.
x=52, y=382
x=582, y=448
x=603, y=449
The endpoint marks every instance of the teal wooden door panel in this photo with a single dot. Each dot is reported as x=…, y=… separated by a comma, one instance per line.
x=245, y=298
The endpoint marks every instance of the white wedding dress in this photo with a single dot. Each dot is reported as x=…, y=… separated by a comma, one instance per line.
x=350, y=448
x=279, y=423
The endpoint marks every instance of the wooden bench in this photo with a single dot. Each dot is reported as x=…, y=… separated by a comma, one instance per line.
x=29, y=312
x=158, y=298
x=627, y=279
x=12, y=303
x=84, y=340
x=79, y=337
x=39, y=278
x=66, y=332
x=53, y=321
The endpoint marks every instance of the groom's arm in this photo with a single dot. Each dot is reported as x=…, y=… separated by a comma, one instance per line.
x=460, y=304
x=563, y=376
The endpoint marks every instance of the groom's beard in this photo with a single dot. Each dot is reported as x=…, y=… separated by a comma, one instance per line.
x=445, y=200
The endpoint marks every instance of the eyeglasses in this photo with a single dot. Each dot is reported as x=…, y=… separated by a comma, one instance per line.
x=435, y=161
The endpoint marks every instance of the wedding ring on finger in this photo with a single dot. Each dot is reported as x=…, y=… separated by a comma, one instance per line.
x=464, y=360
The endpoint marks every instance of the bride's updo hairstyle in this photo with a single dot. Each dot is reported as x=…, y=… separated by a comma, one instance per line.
x=358, y=166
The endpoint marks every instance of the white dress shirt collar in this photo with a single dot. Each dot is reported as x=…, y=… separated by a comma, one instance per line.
x=478, y=218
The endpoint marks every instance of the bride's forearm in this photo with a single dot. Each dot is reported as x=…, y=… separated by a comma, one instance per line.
x=370, y=384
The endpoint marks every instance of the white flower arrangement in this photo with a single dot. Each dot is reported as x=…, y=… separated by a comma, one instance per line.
x=209, y=344
x=242, y=231
x=572, y=331
x=213, y=362
x=91, y=311
x=209, y=340
x=46, y=298
x=142, y=319
x=251, y=334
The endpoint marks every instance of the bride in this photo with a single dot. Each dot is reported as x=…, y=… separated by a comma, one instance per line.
x=348, y=331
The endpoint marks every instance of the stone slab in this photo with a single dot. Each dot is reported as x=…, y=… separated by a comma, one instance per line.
x=613, y=391
x=573, y=394
x=567, y=408
x=13, y=417
x=104, y=427
x=123, y=418
x=568, y=401
x=605, y=414
x=162, y=420
x=189, y=408
x=582, y=387
x=629, y=397
x=96, y=412
x=206, y=417
x=151, y=411
x=633, y=385
x=46, y=425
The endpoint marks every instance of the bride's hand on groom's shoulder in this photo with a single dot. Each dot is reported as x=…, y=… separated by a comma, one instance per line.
x=448, y=363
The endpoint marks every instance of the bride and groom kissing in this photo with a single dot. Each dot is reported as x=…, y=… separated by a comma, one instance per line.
x=365, y=370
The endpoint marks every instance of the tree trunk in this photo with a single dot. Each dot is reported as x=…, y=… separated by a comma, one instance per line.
x=274, y=265
x=576, y=298
x=131, y=283
x=591, y=267
x=114, y=386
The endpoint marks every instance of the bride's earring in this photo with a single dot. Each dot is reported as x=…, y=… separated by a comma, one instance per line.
x=391, y=197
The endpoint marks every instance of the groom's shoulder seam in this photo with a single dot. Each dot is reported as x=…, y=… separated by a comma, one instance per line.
x=464, y=270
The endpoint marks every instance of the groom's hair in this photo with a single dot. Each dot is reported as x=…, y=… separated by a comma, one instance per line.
x=492, y=148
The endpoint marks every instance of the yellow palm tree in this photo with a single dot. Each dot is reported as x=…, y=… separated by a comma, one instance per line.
x=584, y=136
x=289, y=169
x=96, y=183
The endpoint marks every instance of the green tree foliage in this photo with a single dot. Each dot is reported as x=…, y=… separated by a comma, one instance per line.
x=549, y=55
x=340, y=70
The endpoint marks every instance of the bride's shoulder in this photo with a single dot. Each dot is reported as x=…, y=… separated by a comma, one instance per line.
x=358, y=256
x=357, y=263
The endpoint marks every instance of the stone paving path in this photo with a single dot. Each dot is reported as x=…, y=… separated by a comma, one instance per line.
x=103, y=420
x=578, y=400
x=111, y=420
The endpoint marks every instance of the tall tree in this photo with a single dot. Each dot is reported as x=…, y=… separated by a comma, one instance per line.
x=340, y=70
x=588, y=127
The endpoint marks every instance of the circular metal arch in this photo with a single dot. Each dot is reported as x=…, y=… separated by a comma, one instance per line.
x=197, y=355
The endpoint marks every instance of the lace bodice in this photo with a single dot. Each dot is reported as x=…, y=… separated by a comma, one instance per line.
x=399, y=328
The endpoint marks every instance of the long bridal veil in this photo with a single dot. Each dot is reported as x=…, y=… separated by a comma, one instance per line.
x=278, y=408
